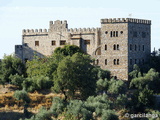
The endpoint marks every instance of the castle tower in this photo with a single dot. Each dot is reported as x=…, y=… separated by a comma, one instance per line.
x=125, y=42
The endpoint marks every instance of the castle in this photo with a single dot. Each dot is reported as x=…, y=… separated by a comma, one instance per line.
x=117, y=45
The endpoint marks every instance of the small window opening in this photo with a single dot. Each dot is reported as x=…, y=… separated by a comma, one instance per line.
x=118, y=47
x=135, y=47
x=87, y=42
x=111, y=34
x=62, y=42
x=130, y=61
x=117, y=61
x=53, y=42
x=116, y=33
x=114, y=61
x=105, y=47
x=36, y=43
x=130, y=46
x=114, y=47
x=105, y=61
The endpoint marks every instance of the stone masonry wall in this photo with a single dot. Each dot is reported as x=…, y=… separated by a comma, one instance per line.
x=116, y=46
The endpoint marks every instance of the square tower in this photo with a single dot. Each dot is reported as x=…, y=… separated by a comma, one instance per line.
x=124, y=42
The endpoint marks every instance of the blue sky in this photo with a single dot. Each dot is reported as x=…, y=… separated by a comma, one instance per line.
x=16, y=15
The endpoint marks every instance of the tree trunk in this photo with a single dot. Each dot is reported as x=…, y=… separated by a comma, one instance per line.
x=65, y=96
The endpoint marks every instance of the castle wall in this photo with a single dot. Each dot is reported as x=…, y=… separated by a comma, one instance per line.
x=116, y=46
x=139, y=45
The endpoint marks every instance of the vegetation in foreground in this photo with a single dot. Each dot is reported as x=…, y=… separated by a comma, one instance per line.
x=89, y=92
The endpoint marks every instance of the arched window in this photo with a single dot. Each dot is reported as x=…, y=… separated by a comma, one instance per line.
x=117, y=61
x=116, y=33
x=114, y=61
x=117, y=46
x=105, y=61
x=114, y=47
x=105, y=47
x=135, y=47
x=135, y=61
x=111, y=34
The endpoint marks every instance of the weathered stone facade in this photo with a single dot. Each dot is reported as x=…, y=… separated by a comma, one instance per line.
x=116, y=46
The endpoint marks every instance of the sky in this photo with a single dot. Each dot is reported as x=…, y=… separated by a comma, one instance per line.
x=16, y=15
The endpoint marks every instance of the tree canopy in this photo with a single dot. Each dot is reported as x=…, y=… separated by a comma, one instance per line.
x=11, y=65
x=75, y=73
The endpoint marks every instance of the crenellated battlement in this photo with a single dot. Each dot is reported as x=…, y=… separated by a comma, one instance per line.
x=125, y=20
x=34, y=32
x=58, y=22
x=83, y=30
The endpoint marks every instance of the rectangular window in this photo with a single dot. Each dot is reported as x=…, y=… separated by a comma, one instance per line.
x=130, y=61
x=87, y=42
x=53, y=42
x=135, y=34
x=143, y=34
x=62, y=42
x=135, y=61
x=143, y=47
x=130, y=46
x=36, y=43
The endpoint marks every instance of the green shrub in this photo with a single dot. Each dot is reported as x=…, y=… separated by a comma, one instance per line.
x=109, y=115
x=37, y=83
x=17, y=80
x=57, y=107
x=78, y=110
x=116, y=87
x=98, y=104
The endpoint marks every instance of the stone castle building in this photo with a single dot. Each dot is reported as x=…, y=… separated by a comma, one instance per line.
x=117, y=45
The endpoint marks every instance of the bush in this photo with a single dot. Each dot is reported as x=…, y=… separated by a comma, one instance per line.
x=57, y=107
x=150, y=80
x=102, y=85
x=116, y=87
x=43, y=114
x=17, y=80
x=21, y=95
x=142, y=99
x=78, y=110
x=37, y=83
x=121, y=101
x=98, y=104
x=109, y=115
